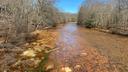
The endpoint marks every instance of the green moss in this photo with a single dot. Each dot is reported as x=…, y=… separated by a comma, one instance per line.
x=41, y=66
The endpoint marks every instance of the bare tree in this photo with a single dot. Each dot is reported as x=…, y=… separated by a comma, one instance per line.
x=111, y=15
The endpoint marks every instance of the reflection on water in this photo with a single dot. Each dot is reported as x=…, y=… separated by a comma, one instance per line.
x=80, y=45
x=72, y=27
x=67, y=34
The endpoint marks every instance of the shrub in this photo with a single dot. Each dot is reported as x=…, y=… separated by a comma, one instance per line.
x=89, y=23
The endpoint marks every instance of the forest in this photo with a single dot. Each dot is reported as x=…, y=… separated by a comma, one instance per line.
x=111, y=15
x=39, y=36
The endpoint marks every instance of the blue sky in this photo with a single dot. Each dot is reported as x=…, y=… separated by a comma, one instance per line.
x=71, y=6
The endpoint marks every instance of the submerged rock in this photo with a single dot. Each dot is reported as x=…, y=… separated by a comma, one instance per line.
x=29, y=53
x=66, y=69
x=50, y=67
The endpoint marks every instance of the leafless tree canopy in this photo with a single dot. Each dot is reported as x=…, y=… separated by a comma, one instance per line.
x=111, y=15
x=23, y=16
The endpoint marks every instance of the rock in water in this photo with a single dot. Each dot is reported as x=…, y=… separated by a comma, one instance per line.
x=29, y=53
x=66, y=69
x=50, y=67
